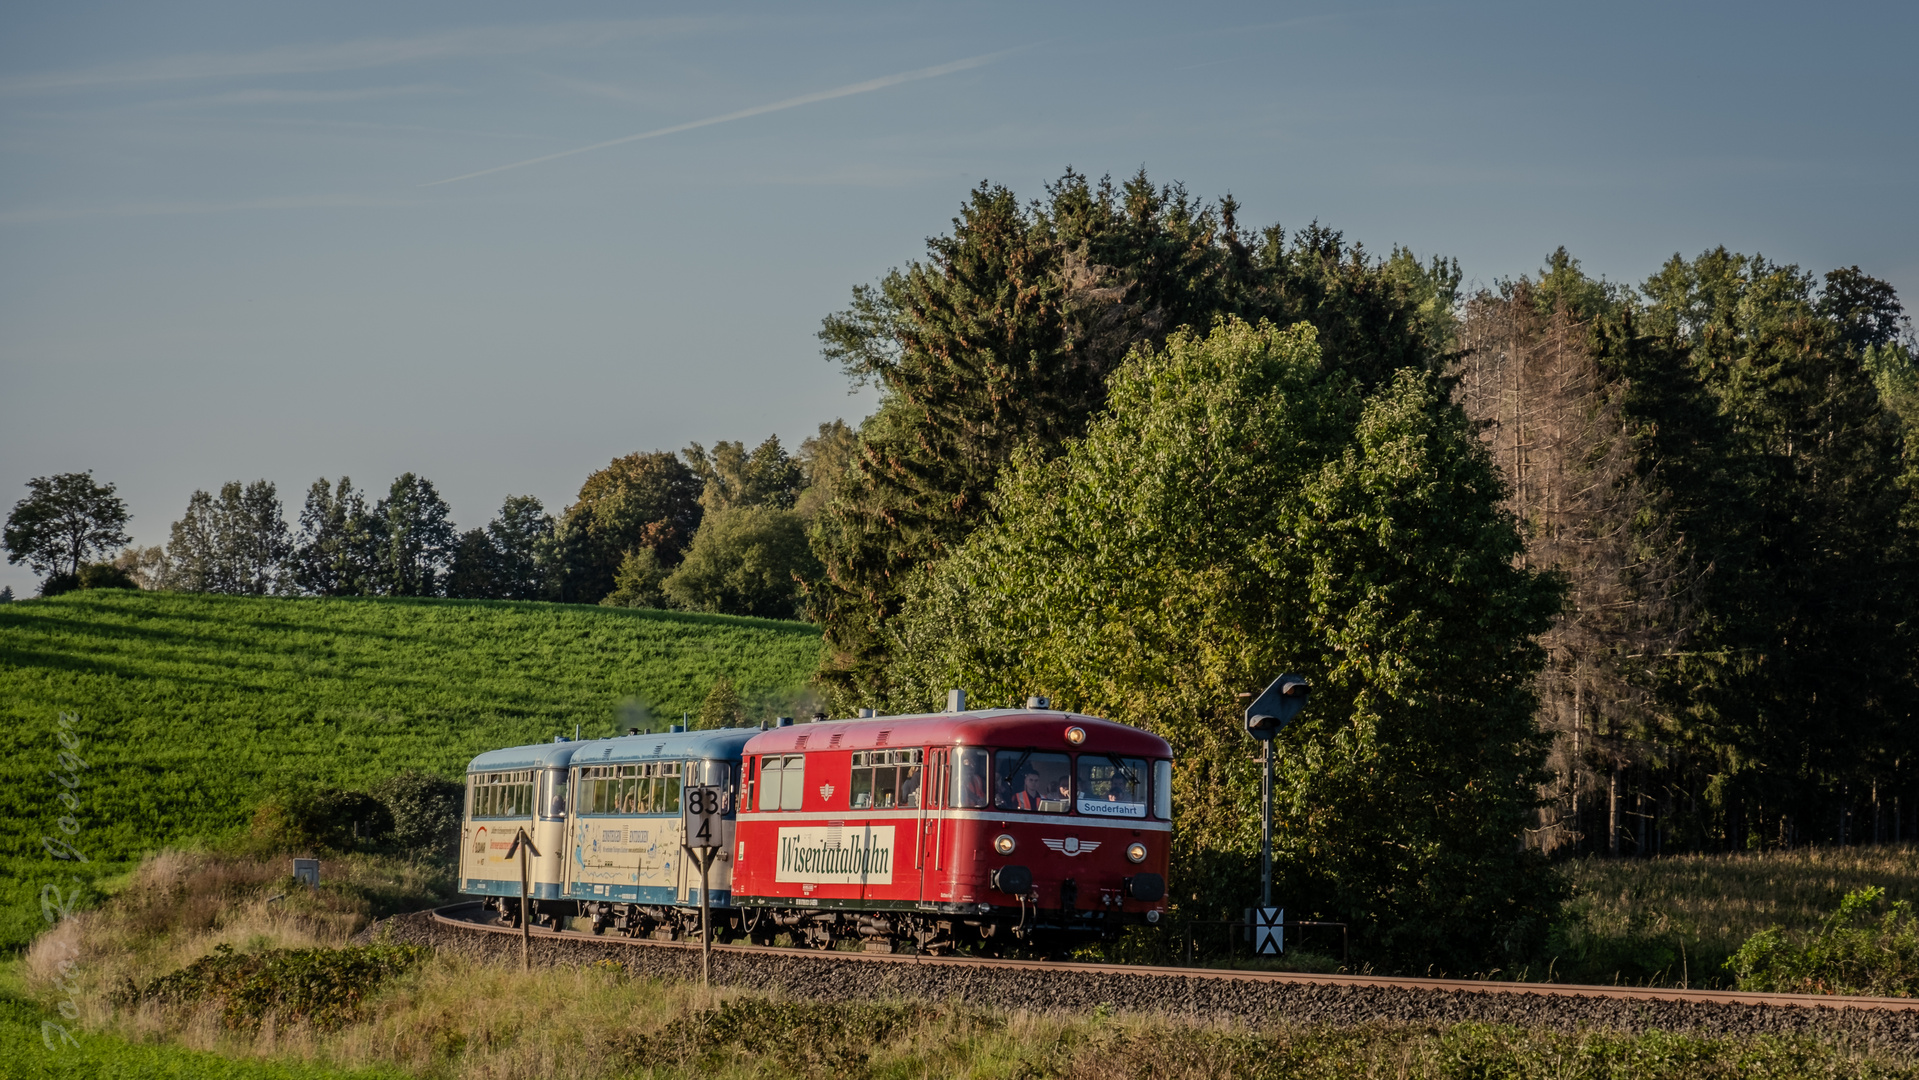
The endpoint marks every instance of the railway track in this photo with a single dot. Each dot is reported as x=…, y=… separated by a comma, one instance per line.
x=1256, y=996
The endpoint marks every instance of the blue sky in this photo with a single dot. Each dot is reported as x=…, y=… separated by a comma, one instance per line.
x=220, y=256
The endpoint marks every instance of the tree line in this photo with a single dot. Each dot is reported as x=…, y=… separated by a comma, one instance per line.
x=1720, y=463
x=721, y=530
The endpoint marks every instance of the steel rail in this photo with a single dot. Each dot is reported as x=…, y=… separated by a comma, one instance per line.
x=445, y=916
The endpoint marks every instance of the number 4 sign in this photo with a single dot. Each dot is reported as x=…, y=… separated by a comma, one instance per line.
x=701, y=815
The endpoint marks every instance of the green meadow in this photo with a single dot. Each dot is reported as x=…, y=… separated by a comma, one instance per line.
x=189, y=708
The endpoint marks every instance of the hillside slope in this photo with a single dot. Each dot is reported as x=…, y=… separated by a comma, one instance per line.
x=189, y=707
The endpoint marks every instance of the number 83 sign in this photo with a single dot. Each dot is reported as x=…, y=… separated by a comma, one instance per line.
x=700, y=814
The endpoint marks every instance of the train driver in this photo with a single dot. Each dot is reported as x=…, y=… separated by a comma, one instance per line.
x=1030, y=791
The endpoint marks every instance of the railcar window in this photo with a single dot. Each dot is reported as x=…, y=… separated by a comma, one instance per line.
x=972, y=788
x=1112, y=786
x=792, y=783
x=503, y=794
x=885, y=779
x=652, y=788
x=1041, y=783
x=770, y=783
x=1163, y=790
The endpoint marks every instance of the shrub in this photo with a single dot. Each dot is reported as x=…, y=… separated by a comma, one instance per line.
x=105, y=576
x=1879, y=958
x=325, y=987
x=803, y=1037
x=425, y=810
x=747, y=560
x=322, y=818
x=55, y=584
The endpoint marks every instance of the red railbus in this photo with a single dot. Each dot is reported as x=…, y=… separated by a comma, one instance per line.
x=938, y=829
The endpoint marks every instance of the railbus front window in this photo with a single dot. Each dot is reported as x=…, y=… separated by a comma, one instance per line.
x=1111, y=786
x=1163, y=790
x=1035, y=783
x=553, y=782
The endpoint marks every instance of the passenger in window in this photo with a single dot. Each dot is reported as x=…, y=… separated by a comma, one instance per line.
x=1063, y=789
x=972, y=778
x=910, y=788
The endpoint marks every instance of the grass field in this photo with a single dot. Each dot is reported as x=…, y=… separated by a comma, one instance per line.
x=191, y=707
x=1673, y=921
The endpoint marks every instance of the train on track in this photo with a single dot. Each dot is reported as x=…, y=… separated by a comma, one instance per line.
x=922, y=832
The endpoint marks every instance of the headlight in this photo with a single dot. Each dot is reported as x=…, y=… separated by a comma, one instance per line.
x=1004, y=845
x=1075, y=735
x=1136, y=852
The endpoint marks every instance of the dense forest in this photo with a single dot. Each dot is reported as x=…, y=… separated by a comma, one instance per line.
x=1575, y=565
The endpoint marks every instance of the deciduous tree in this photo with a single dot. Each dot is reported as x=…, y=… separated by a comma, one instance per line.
x=747, y=560
x=646, y=500
x=419, y=537
x=237, y=543
x=1243, y=508
x=65, y=520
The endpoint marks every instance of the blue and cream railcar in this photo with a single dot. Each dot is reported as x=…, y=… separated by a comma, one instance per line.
x=625, y=868
x=605, y=816
x=507, y=791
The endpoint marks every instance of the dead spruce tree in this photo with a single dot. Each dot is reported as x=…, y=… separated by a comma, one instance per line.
x=1553, y=425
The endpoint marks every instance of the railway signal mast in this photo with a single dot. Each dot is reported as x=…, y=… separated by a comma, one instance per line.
x=1266, y=717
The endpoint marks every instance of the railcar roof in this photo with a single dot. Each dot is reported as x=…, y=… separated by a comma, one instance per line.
x=721, y=743
x=672, y=745
x=1038, y=728
x=537, y=756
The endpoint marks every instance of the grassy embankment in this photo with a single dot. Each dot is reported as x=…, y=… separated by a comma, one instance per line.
x=190, y=707
x=1673, y=921
x=447, y=1017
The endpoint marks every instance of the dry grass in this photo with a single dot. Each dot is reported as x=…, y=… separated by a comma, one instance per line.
x=177, y=906
x=1676, y=919
x=458, y=1019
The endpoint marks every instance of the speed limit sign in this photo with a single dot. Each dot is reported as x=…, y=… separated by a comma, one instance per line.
x=700, y=814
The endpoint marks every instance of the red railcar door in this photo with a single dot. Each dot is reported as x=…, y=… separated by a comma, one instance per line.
x=932, y=824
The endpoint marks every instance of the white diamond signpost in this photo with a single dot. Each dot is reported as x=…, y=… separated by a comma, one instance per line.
x=1266, y=717
x=700, y=814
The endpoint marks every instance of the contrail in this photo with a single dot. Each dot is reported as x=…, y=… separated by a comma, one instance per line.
x=757, y=110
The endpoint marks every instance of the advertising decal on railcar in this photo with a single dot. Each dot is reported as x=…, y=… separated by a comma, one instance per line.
x=836, y=855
